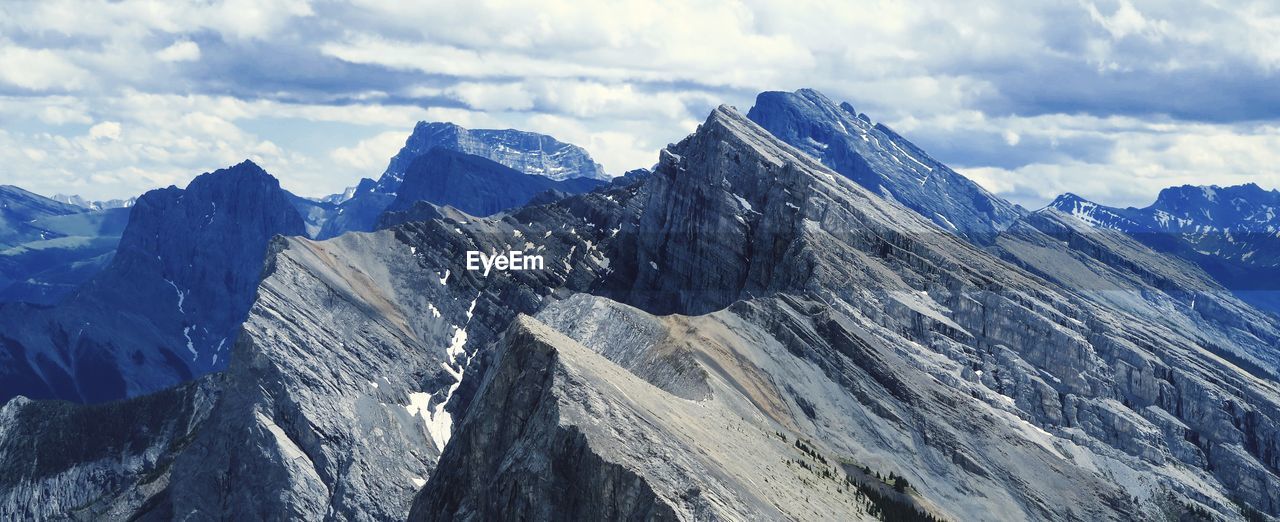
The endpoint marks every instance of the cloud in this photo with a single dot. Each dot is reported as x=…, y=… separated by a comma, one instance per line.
x=1108, y=98
x=370, y=154
x=38, y=69
x=180, y=51
x=108, y=130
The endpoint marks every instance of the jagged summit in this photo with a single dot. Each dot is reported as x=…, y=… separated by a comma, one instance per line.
x=884, y=162
x=1201, y=208
x=1188, y=199
x=99, y=205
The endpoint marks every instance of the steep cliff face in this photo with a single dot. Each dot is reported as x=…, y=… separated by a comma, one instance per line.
x=763, y=410
x=167, y=307
x=101, y=462
x=882, y=161
x=517, y=469
x=822, y=334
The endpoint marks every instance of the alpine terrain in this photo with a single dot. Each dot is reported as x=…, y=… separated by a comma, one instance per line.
x=795, y=315
x=1233, y=233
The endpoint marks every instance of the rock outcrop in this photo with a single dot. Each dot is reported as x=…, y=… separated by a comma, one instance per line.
x=473, y=170
x=474, y=184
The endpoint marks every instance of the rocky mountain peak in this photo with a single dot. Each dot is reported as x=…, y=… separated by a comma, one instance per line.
x=474, y=184
x=527, y=152
x=884, y=162
x=167, y=307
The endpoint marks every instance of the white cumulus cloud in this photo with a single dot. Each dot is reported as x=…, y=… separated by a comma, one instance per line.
x=180, y=51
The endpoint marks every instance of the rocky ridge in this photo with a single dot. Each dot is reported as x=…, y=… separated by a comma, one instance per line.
x=808, y=309
x=1232, y=233
x=876, y=157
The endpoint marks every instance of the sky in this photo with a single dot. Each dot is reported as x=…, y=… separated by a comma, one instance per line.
x=1111, y=100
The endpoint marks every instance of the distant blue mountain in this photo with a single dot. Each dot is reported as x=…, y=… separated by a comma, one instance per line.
x=536, y=155
x=72, y=199
x=882, y=161
x=168, y=305
x=48, y=248
x=527, y=152
x=475, y=185
x=22, y=214
x=1233, y=233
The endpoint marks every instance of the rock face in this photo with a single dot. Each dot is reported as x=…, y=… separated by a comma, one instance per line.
x=527, y=152
x=48, y=249
x=101, y=462
x=741, y=333
x=993, y=359
x=1232, y=233
x=167, y=307
x=882, y=161
x=475, y=185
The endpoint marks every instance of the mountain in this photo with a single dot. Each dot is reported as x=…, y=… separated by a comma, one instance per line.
x=358, y=214
x=1233, y=233
x=21, y=212
x=527, y=152
x=94, y=205
x=884, y=162
x=475, y=185
x=48, y=248
x=547, y=163
x=338, y=199
x=314, y=213
x=741, y=333
x=168, y=305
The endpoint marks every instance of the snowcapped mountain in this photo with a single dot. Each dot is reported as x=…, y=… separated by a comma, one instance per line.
x=94, y=205
x=884, y=162
x=741, y=333
x=1233, y=233
x=21, y=213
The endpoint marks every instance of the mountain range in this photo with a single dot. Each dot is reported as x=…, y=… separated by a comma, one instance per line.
x=95, y=204
x=795, y=314
x=48, y=248
x=1232, y=233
